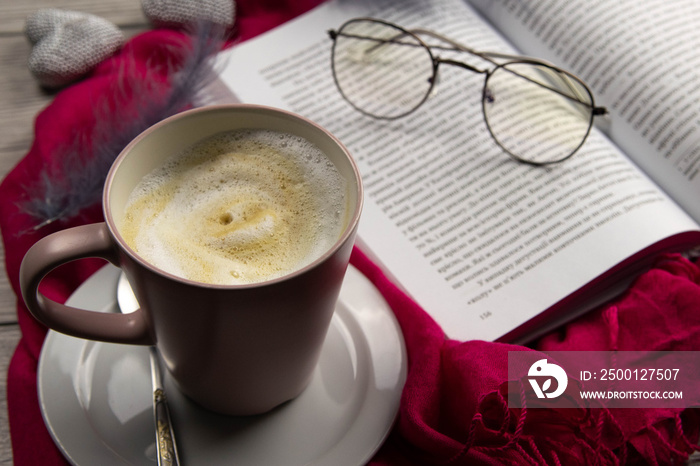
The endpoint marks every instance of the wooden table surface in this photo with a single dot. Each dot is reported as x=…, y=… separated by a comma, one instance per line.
x=21, y=99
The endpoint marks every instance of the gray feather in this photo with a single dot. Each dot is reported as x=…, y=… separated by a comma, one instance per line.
x=65, y=189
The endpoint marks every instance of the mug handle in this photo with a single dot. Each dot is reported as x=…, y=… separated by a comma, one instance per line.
x=64, y=246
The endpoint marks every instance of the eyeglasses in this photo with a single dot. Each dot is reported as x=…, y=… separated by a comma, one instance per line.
x=538, y=113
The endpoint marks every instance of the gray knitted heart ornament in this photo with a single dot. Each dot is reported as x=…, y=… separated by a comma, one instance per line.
x=183, y=13
x=68, y=44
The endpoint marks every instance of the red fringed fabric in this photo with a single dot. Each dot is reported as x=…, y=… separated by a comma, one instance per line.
x=454, y=405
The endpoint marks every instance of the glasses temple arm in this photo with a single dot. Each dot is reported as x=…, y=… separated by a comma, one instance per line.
x=488, y=56
x=594, y=110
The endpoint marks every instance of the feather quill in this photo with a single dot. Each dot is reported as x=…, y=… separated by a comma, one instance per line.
x=64, y=189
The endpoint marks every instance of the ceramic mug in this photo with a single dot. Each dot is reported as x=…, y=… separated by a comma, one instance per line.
x=234, y=349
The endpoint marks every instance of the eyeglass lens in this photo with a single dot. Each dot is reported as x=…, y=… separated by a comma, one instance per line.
x=538, y=114
x=380, y=69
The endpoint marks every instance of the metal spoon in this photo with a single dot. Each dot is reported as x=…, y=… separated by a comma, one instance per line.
x=165, y=435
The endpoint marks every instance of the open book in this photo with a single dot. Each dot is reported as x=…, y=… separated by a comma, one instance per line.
x=494, y=249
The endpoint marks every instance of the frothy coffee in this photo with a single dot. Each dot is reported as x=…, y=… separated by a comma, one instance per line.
x=240, y=207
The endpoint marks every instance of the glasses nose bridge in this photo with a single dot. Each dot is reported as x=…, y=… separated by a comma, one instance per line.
x=437, y=61
x=447, y=61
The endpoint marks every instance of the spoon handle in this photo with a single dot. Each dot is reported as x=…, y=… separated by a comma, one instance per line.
x=165, y=436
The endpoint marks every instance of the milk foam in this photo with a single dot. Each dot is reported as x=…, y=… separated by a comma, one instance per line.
x=239, y=207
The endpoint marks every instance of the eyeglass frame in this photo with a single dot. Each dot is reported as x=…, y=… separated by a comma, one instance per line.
x=486, y=56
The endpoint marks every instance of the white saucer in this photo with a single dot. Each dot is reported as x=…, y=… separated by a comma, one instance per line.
x=96, y=397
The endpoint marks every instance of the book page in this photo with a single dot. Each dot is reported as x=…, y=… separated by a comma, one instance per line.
x=482, y=242
x=640, y=59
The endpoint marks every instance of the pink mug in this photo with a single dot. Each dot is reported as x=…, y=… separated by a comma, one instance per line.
x=234, y=349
